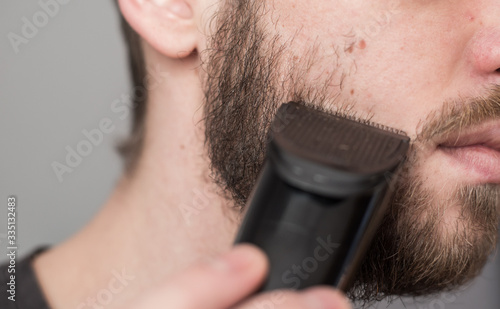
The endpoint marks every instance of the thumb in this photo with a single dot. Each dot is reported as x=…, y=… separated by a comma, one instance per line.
x=216, y=284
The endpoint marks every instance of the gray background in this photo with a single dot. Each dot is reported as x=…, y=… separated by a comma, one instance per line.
x=62, y=82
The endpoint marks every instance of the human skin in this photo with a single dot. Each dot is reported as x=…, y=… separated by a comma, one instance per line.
x=402, y=60
x=398, y=73
x=438, y=231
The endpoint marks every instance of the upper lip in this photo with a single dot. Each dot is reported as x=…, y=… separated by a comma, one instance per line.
x=486, y=135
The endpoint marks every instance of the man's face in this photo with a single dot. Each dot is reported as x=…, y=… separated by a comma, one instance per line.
x=429, y=68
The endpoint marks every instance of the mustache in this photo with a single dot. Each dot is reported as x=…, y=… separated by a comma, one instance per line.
x=461, y=114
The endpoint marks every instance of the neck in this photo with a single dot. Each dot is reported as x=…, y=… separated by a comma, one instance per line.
x=161, y=219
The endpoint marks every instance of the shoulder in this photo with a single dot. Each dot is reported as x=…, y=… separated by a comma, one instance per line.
x=22, y=288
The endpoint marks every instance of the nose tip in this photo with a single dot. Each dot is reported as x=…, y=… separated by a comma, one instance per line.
x=485, y=52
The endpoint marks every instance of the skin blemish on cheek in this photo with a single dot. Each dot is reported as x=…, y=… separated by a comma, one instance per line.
x=352, y=91
x=470, y=17
x=350, y=49
x=362, y=44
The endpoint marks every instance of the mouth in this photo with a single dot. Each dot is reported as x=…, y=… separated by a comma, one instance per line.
x=476, y=152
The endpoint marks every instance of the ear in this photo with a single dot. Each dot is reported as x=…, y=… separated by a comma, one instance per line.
x=169, y=26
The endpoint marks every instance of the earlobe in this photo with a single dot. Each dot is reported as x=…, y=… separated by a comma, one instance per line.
x=169, y=26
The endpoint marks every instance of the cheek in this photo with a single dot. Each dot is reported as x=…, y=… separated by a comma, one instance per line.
x=403, y=74
x=360, y=58
x=396, y=65
x=330, y=25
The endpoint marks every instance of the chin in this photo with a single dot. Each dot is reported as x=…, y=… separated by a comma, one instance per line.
x=437, y=235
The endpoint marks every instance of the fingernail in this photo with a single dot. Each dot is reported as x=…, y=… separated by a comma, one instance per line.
x=240, y=257
x=325, y=298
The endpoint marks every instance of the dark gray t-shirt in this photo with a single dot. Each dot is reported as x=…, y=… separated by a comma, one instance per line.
x=28, y=292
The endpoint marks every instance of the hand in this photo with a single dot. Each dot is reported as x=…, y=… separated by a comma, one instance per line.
x=229, y=281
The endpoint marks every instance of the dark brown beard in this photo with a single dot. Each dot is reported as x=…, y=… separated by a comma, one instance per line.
x=413, y=254
x=239, y=99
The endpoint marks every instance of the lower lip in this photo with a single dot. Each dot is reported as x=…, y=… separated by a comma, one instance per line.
x=477, y=160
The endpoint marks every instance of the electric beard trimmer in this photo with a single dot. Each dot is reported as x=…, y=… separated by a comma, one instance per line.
x=320, y=196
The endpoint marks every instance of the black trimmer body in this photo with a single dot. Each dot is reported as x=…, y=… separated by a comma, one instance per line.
x=320, y=197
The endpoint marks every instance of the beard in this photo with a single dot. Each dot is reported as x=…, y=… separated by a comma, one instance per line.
x=418, y=250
